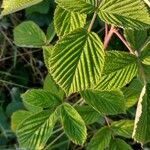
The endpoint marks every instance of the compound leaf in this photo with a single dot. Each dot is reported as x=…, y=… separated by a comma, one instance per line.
x=125, y=13
x=67, y=21
x=73, y=124
x=77, y=61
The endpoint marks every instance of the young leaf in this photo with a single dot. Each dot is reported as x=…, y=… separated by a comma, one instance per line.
x=10, y=6
x=125, y=13
x=51, y=86
x=123, y=128
x=28, y=34
x=38, y=98
x=136, y=38
x=67, y=21
x=73, y=124
x=88, y=114
x=100, y=140
x=18, y=117
x=105, y=102
x=119, y=70
x=141, y=131
x=77, y=61
x=34, y=131
x=119, y=144
x=82, y=6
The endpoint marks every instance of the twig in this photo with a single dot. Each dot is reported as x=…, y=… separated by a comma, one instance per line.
x=92, y=22
x=124, y=41
x=108, y=36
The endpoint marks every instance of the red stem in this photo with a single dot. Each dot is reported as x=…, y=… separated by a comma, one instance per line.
x=124, y=41
x=108, y=36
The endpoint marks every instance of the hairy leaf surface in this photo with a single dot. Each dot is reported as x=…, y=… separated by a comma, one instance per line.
x=67, y=21
x=77, y=61
x=105, y=102
x=125, y=13
x=119, y=70
x=73, y=124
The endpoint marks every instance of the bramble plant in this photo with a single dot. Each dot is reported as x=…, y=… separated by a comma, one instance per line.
x=89, y=86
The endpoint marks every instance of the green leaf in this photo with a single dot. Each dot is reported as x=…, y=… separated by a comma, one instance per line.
x=136, y=38
x=47, y=50
x=123, y=128
x=18, y=117
x=10, y=6
x=132, y=92
x=51, y=86
x=77, y=61
x=100, y=140
x=67, y=21
x=82, y=6
x=141, y=131
x=119, y=70
x=73, y=124
x=125, y=13
x=34, y=131
x=105, y=102
x=41, y=8
x=119, y=144
x=88, y=114
x=28, y=34
x=39, y=99
x=145, y=54
x=50, y=32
